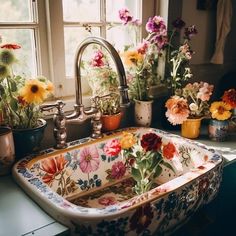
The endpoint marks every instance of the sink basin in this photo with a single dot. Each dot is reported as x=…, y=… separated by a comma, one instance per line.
x=85, y=198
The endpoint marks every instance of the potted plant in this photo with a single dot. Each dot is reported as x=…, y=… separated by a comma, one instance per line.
x=188, y=107
x=221, y=113
x=109, y=105
x=20, y=102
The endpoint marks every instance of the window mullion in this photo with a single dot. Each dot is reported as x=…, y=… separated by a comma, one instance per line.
x=103, y=17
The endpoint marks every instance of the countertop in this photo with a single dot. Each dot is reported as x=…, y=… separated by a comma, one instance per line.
x=19, y=215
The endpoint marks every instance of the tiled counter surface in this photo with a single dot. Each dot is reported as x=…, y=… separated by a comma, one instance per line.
x=19, y=215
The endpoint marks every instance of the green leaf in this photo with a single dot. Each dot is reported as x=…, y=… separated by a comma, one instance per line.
x=14, y=104
x=135, y=174
x=166, y=164
x=2, y=91
x=158, y=171
x=13, y=86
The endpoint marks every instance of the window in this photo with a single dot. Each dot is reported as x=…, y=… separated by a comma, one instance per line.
x=50, y=31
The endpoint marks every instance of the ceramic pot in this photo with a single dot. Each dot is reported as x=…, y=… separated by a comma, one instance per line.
x=7, y=151
x=28, y=141
x=191, y=128
x=143, y=113
x=218, y=129
x=111, y=122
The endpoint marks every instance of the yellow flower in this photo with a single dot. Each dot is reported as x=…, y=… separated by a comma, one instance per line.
x=34, y=91
x=127, y=140
x=220, y=110
x=49, y=87
x=132, y=58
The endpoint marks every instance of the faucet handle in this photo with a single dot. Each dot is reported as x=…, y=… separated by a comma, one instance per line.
x=59, y=123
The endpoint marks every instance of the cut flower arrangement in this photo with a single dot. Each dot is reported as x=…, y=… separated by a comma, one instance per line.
x=221, y=110
x=144, y=157
x=142, y=61
x=100, y=75
x=20, y=97
x=190, y=102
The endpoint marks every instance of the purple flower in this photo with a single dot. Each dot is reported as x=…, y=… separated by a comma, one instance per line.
x=178, y=23
x=157, y=25
x=125, y=16
x=160, y=41
x=190, y=31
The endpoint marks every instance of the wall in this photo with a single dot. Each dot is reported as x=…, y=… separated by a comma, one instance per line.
x=203, y=43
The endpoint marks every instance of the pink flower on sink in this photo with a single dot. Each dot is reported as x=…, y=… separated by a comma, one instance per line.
x=112, y=148
x=89, y=159
x=107, y=201
x=118, y=170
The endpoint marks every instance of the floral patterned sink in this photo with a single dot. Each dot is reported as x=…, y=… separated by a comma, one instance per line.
x=91, y=192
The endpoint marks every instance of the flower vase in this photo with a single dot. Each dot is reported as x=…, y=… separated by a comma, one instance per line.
x=191, y=128
x=143, y=113
x=218, y=129
x=27, y=141
x=111, y=122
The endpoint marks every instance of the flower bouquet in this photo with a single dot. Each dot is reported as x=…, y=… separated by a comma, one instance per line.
x=221, y=112
x=145, y=158
x=20, y=102
x=189, y=104
x=100, y=75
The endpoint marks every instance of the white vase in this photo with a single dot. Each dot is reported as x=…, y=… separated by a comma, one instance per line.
x=143, y=113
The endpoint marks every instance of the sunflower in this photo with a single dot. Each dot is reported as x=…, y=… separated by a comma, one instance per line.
x=132, y=58
x=34, y=91
x=220, y=110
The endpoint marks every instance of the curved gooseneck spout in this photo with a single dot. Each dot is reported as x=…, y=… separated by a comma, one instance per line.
x=118, y=63
x=80, y=114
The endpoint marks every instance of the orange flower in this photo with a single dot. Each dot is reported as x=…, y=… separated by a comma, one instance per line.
x=177, y=110
x=11, y=46
x=229, y=97
x=53, y=167
x=132, y=58
x=169, y=151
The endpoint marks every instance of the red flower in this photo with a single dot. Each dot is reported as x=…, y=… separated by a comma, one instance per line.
x=107, y=201
x=21, y=101
x=52, y=167
x=118, y=170
x=11, y=46
x=229, y=97
x=151, y=142
x=169, y=151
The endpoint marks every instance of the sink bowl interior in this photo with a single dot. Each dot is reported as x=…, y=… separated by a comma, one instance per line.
x=63, y=180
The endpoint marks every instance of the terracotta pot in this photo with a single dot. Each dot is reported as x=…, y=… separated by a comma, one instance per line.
x=111, y=122
x=191, y=128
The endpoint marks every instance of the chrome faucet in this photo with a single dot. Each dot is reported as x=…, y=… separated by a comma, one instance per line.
x=80, y=113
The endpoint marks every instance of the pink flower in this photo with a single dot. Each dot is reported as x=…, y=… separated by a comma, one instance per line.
x=107, y=201
x=89, y=159
x=125, y=15
x=97, y=59
x=118, y=170
x=112, y=148
x=157, y=25
x=205, y=91
x=177, y=110
x=142, y=48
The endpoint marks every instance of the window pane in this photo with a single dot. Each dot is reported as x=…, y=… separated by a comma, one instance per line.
x=120, y=36
x=26, y=54
x=16, y=10
x=81, y=10
x=113, y=6
x=73, y=37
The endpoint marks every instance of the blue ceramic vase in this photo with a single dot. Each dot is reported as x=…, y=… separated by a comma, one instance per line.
x=27, y=141
x=218, y=129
